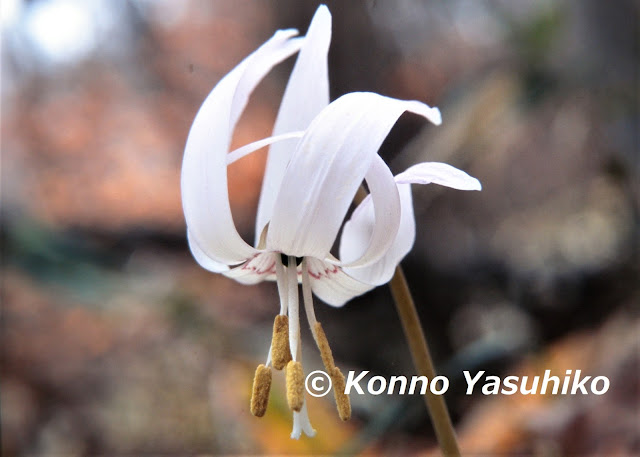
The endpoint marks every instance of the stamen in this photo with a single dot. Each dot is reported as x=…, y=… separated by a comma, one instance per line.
x=280, y=353
x=342, y=400
x=316, y=328
x=281, y=279
x=295, y=385
x=260, y=391
x=323, y=345
x=337, y=378
x=307, y=297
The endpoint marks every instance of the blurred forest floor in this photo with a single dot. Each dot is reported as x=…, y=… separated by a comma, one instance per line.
x=114, y=341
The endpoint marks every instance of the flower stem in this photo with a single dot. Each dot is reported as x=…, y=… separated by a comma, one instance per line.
x=436, y=406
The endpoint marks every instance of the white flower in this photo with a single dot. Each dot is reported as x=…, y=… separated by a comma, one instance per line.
x=320, y=154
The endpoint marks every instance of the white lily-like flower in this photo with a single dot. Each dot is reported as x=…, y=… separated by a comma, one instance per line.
x=320, y=153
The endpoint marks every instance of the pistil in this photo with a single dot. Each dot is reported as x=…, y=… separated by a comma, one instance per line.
x=294, y=321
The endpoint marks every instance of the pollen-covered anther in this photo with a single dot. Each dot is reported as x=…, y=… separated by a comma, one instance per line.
x=260, y=392
x=323, y=346
x=295, y=385
x=342, y=400
x=280, y=352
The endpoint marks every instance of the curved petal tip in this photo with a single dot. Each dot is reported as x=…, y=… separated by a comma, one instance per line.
x=435, y=116
x=438, y=173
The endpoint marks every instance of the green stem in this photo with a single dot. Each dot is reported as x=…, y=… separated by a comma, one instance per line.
x=422, y=361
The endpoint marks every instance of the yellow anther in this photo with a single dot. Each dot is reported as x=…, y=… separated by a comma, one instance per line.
x=342, y=400
x=295, y=385
x=260, y=392
x=323, y=345
x=280, y=353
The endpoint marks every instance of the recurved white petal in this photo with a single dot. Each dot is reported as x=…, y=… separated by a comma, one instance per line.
x=332, y=285
x=327, y=167
x=356, y=232
x=383, y=219
x=307, y=93
x=205, y=197
x=438, y=173
x=247, y=149
x=260, y=268
x=202, y=258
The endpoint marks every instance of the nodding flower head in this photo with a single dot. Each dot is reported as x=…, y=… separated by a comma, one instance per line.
x=320, y=154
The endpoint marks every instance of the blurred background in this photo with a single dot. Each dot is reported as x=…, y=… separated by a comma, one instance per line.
x=114, y=341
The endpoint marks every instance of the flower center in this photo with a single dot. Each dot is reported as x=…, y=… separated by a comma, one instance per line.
x=285, y=259
x=285, y=349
